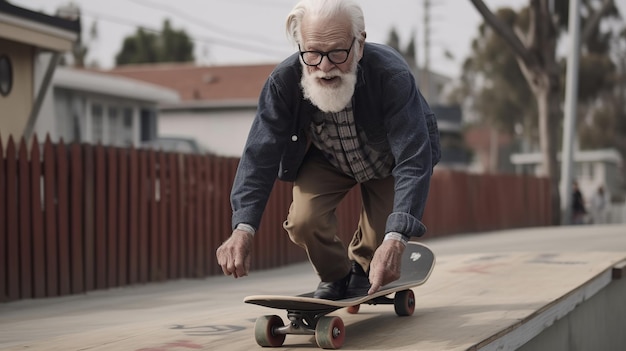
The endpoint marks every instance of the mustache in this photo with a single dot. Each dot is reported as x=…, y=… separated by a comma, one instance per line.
x=330, y=74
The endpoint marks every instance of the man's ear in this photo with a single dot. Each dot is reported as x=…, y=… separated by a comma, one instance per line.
x=361, y=40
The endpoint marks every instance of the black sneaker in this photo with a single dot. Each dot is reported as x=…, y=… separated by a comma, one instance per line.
x=332, y=290
x=359, y=283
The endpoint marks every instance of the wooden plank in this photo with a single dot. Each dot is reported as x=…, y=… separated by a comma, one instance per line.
x=89, y=211
x=189, y=214
x=142, y=243
x=52, y=239
x=163, y=218
x=25, y=234
x=63, y=219
x=182, y=225
x=3, y=224
x=201, y=249
x=173, y=205
x=37, y=220
x=76, y=219
x=122, y=215
x=12, y=240
x=111, y=217
x=214, y=228
x=153, y=222
x=134, y=220
x=208, y=248
x=100, y=239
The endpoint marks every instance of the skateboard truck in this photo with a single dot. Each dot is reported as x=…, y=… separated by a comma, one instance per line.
x=329, y=331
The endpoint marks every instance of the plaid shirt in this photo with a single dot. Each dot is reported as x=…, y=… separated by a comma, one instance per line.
x=345, y=146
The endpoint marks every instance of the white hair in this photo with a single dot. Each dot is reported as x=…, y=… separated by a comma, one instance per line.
x=324, y=8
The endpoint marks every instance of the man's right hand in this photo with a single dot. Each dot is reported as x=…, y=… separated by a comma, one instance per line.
x=234, y=254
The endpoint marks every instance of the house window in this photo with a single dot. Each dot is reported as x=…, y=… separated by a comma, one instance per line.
x=6, y=75
x=97, y=124
x=114, y=125
x=148, y=124
x=126, y=134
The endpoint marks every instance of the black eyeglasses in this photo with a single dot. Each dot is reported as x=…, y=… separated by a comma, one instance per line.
x=337, y=56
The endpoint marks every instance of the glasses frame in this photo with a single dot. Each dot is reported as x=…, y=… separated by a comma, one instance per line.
x=326, y=54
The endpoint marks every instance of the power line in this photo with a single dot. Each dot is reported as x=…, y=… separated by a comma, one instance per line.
x=200, y=22
x=257, y=49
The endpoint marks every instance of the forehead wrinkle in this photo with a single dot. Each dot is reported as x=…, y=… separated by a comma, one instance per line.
x=325, y=33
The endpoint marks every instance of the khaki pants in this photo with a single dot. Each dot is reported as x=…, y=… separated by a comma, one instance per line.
x=312, y=223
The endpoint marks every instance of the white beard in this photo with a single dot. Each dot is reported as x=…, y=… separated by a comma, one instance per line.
x=329, y=99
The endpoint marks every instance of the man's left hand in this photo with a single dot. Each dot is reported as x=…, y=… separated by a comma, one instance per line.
x=385, y=265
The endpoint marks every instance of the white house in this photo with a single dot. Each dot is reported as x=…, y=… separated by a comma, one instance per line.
x=592, y=169
x=91, y=107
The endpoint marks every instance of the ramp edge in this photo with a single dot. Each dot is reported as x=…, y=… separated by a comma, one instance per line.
x=522, y=332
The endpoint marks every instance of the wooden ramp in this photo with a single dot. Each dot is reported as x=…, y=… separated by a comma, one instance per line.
x=471, y=302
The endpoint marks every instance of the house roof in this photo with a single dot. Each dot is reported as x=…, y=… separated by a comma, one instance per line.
x=95, y=82
x=35, y=28
x=202, y=83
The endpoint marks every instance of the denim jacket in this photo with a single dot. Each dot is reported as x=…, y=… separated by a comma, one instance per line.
x=387, y=106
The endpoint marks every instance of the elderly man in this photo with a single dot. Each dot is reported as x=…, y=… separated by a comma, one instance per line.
x=339, y=113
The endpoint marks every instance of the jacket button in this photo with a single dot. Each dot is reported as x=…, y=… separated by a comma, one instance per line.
x=294, y=138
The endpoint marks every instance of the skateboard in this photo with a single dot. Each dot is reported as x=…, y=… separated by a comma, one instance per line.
x=308, y=315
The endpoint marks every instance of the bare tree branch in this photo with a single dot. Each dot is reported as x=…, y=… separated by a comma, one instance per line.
x=595, y=18
x=505, y=32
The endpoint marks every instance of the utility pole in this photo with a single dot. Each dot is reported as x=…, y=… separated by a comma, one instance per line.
x=426, y=73
x=569, y=123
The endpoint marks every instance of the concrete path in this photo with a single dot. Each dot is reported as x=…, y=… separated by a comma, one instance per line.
x=483, y=286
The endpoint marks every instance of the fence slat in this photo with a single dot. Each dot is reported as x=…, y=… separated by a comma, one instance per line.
x=134, y=219
x=89, y=238
x=153, y=223
x=111, y=217
x=122, y=215
x=76, y=219
x=100, y=218
x=143, y=243
x=63, y=219
x=173, y=204
x=3, y=224
x=52, y=239
x=38, y=243
x=12, y=241
x=25, y=234
x=162, y=176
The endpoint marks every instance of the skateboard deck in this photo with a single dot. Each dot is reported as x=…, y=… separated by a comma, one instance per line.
x=307, y=315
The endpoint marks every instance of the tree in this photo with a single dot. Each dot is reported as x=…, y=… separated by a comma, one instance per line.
x=535, y=52
x=408, y=53
x=169, y=45
x=502, y=99
x=80, y=48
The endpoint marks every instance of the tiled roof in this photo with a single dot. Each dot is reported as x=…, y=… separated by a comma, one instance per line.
x=202, y=83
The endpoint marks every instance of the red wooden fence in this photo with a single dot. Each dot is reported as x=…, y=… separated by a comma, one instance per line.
x=76, y=218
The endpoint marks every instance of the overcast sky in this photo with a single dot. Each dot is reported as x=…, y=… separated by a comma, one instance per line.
x=252, y=31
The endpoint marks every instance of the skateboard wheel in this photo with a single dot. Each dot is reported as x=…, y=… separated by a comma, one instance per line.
x=404, y=303
x=354, y=309
x=264, y=331
x=330, y=333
